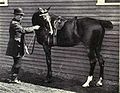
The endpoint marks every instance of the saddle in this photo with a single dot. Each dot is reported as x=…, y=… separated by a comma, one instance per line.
x=58, y=24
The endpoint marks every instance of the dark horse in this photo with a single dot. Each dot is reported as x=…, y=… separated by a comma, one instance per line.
x=59, y=31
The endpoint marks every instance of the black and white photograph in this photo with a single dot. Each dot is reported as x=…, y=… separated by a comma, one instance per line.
x=59, y=46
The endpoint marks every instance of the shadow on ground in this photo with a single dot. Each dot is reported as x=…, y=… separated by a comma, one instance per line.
x=68, y=85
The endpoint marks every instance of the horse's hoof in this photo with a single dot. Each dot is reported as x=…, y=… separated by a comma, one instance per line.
x=85, y=85
x=99, y=84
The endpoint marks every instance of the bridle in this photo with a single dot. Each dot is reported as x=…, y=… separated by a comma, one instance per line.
x=46, y=16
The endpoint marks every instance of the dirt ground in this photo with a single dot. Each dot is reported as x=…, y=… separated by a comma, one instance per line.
x=56, y=86
x=34, y=83
x=28, y=88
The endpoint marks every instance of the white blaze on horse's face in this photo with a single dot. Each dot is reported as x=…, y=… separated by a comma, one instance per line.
x=46, y=17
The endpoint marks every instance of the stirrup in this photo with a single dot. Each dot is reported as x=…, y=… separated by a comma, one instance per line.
x=50, y=39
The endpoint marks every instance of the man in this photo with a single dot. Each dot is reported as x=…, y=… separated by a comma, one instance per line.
x=16, y=43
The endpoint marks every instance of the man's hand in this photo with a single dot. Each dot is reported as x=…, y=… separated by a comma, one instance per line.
x=36, y=27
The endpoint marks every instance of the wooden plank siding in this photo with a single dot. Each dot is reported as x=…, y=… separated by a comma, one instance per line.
x=67, y=62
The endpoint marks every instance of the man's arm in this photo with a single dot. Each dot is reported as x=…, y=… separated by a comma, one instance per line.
x=20, y=29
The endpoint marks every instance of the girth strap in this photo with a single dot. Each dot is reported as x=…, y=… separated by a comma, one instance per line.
x=52, y=39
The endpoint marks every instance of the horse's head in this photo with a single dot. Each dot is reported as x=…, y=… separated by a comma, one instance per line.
x=42, y=18
x=45, y=19
x=43, y=13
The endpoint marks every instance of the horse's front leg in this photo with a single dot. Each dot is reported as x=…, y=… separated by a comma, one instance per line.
x=47, y=50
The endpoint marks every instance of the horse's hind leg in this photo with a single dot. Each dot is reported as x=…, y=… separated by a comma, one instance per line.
x=101, y=64
x=100, y=58
x=93, y=61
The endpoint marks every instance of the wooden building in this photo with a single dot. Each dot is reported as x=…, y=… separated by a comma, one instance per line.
x=72, y=62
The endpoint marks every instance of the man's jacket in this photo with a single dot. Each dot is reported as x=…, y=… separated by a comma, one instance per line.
x=16, y=39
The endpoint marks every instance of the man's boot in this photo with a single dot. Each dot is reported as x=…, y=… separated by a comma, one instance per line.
x=13, y=79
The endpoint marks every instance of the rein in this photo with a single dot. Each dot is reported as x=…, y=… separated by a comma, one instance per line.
x=27, y=48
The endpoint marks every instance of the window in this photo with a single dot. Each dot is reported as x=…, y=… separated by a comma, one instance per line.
x=112, y=1
x=108, y=2
x=3, y=2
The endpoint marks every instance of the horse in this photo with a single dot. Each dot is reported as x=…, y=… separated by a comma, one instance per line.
x=68, y=32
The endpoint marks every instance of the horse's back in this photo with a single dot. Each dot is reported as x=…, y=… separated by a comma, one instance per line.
x=87, y=27
x=76, y=30
x=88, y=23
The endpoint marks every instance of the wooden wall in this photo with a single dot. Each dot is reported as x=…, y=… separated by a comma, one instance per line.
x=67, y=62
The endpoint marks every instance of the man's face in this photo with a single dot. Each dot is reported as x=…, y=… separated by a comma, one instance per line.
x=18, y=17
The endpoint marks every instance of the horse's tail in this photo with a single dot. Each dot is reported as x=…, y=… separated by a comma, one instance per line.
x=106, y=24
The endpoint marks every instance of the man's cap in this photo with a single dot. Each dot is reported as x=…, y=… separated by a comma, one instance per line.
x=18, y=11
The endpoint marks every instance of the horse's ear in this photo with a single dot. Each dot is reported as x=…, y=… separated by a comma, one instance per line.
x=48, y=8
